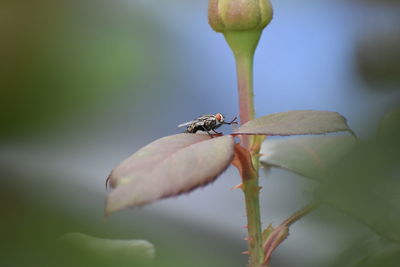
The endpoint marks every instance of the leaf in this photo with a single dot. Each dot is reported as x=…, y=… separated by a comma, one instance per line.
x=366, y=185
x=388, y=258
x=368, y=250
x=109, y=250
x=390, y=124
x=152, y=154
x=169, y=166
x=267, y=232
x=310, y=156
x=274, y=239
x=296, y=122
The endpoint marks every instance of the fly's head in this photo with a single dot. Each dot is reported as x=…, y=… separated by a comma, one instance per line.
x=219, y=118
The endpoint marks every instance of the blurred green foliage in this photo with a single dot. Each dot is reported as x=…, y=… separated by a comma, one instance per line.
x=33, y=225
x=365, y=185
x=378, y=59
x=112, y=252
x=359, y=179
x=63, y=58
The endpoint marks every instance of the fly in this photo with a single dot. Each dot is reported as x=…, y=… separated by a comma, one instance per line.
x=206, y=123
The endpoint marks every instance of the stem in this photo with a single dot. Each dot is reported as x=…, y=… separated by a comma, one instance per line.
x=243, y=45
x=244, y=69
x=251, y=191
x=300, y=214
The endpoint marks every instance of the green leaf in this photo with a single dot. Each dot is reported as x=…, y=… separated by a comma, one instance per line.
x=310, y=156
x=296, y=122
x=388, y=258
x=390, y=124
x=108, y=251
x=363, y=251
x=365, y=185
x=169, y=166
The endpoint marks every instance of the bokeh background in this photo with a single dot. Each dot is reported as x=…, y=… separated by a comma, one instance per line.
x=86, y=83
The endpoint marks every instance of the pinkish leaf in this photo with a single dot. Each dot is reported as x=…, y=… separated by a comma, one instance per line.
x=168, y=166
x=295, y=122
x=274, y=239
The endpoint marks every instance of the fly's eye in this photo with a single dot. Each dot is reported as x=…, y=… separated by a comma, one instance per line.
x=219, y=117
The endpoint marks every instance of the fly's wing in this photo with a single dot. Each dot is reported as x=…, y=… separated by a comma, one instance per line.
x=205, y=117
x=201, y=118
x=186, y=123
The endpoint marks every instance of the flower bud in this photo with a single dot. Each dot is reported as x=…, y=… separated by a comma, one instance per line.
x=239, y=15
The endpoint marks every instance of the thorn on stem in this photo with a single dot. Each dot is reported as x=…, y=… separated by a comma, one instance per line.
x=248, y=238
x=239, y=186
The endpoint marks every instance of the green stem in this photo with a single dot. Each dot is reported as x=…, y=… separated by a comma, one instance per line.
x=243, y=45
x=300, y=214
x=251, y=191
x=244, y=69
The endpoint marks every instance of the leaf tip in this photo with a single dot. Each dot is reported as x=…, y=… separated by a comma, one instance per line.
x=112, y=205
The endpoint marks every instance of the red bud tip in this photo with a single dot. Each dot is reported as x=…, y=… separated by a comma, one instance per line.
x=246, y=252
x=246, y=227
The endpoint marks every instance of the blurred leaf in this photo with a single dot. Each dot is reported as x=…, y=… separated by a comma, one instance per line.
x=360, y=249
x=366, y=185
x=34, y=218
x=389, y=125
x=310, y=156
x=64, y=58
x=378, y=57
x=388, y=258
x=169, y=166
x=295, y=122
x=109, y=251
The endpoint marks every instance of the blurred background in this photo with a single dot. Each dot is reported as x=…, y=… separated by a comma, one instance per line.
x=86, y=83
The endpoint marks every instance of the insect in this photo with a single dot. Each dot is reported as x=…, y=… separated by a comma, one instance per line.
x=206, y=123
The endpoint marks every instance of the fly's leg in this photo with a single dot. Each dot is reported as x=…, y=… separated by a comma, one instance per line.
x=232, y=121
x=204, y=128
x=215, y=131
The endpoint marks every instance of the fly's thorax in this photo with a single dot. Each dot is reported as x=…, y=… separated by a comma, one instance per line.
x=211, y=123
x=196, y=126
